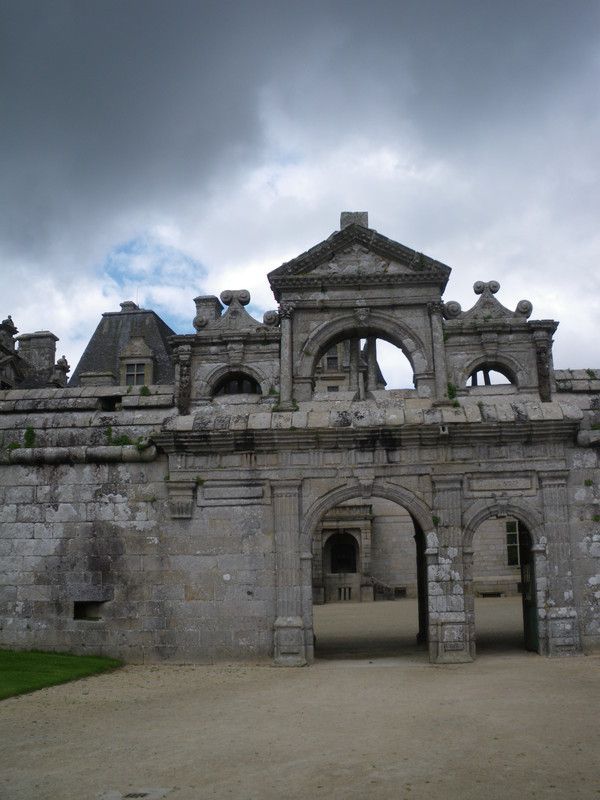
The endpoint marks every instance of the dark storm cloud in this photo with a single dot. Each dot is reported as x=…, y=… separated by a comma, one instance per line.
x=118, y=106
x=122, y=117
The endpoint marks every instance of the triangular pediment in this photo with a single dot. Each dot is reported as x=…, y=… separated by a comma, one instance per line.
x=357, y=252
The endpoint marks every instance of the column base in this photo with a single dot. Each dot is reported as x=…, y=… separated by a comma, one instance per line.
x=562, y=632
x=289, y=645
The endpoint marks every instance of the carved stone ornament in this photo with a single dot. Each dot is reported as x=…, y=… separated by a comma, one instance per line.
x=487, y=308
x=362, y=314
x=181, y=498
x=452, y=309
x=271, y=317
x=235, y=318
x=435, y=308
x=63, y=365
x=286, y=310
x=183, y=388
x=9, y=326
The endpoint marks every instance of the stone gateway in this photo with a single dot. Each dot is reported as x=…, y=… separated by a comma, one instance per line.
x=190, y=497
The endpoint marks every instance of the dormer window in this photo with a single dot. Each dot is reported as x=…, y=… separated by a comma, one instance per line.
x=135, y=374
x=137, y=363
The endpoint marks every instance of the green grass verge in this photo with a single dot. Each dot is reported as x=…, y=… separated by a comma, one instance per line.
x=26, y=671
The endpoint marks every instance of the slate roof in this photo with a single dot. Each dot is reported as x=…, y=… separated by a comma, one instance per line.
x=112, y=336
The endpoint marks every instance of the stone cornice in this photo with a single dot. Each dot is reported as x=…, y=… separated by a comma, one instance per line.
x=367, y=438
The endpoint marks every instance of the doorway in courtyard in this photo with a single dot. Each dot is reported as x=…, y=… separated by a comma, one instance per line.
x=369, y=581
x=503, y=597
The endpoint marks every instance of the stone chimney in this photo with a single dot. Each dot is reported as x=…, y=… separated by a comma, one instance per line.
x=39, y=351
x=354, y=218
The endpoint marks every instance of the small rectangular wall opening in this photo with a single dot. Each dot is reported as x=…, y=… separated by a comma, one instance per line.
x=90, y=610
x=110, y=402
x=399, y=591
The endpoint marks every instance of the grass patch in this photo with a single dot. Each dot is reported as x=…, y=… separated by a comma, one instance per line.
x=26, y=671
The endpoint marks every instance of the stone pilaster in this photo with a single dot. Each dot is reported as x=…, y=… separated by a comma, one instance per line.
x=289, y=645
x=561, y=616
x=543, y=358
x=469, y=597
x=183, y=378
x=307, y=604
x=448, y=621
x=286, y=311
x=439, y=350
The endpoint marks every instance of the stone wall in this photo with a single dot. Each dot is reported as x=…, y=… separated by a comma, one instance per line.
x=170, y=526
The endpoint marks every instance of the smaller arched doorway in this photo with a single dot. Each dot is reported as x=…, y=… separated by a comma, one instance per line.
x=501, y=588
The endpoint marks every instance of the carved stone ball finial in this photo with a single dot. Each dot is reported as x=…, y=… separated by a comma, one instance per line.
x=271, y=317
x=452, y=309
x=242, y=296
x=524, y=307
x=479, y=287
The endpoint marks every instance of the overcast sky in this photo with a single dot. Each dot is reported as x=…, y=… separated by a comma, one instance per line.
x=155, y=151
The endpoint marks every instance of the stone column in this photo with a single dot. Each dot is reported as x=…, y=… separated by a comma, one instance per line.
x=448, y=623
x=286, y=357
x=289, y=644
x=354, y=356
x=371, y=364
x=439, y=350
x=561, y=617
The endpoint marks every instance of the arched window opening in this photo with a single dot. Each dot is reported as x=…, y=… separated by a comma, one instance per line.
x=489, y=375
x=362, y=366
x=237, y=383
x=342, y=553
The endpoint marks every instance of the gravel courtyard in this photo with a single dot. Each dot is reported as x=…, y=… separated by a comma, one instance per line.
x=371, y=719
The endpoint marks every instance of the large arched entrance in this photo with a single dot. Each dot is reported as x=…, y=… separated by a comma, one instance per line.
x=369, y=576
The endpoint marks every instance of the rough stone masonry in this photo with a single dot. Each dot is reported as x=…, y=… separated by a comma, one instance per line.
x=165, y=503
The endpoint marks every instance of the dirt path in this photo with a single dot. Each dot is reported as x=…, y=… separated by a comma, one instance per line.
x=510, y=725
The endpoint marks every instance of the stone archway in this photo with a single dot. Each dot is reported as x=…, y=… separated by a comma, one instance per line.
x=533, y=582
x=362, y=326
x=421, y=516
x=506, y=365
x=220, y=373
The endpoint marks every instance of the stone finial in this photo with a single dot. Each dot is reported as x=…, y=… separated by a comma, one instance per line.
x=271, y=317
x=9, y=326
x=59, y=373
x=479, y=287
x=63, y=365
x=241, y=296
x=354, y=218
